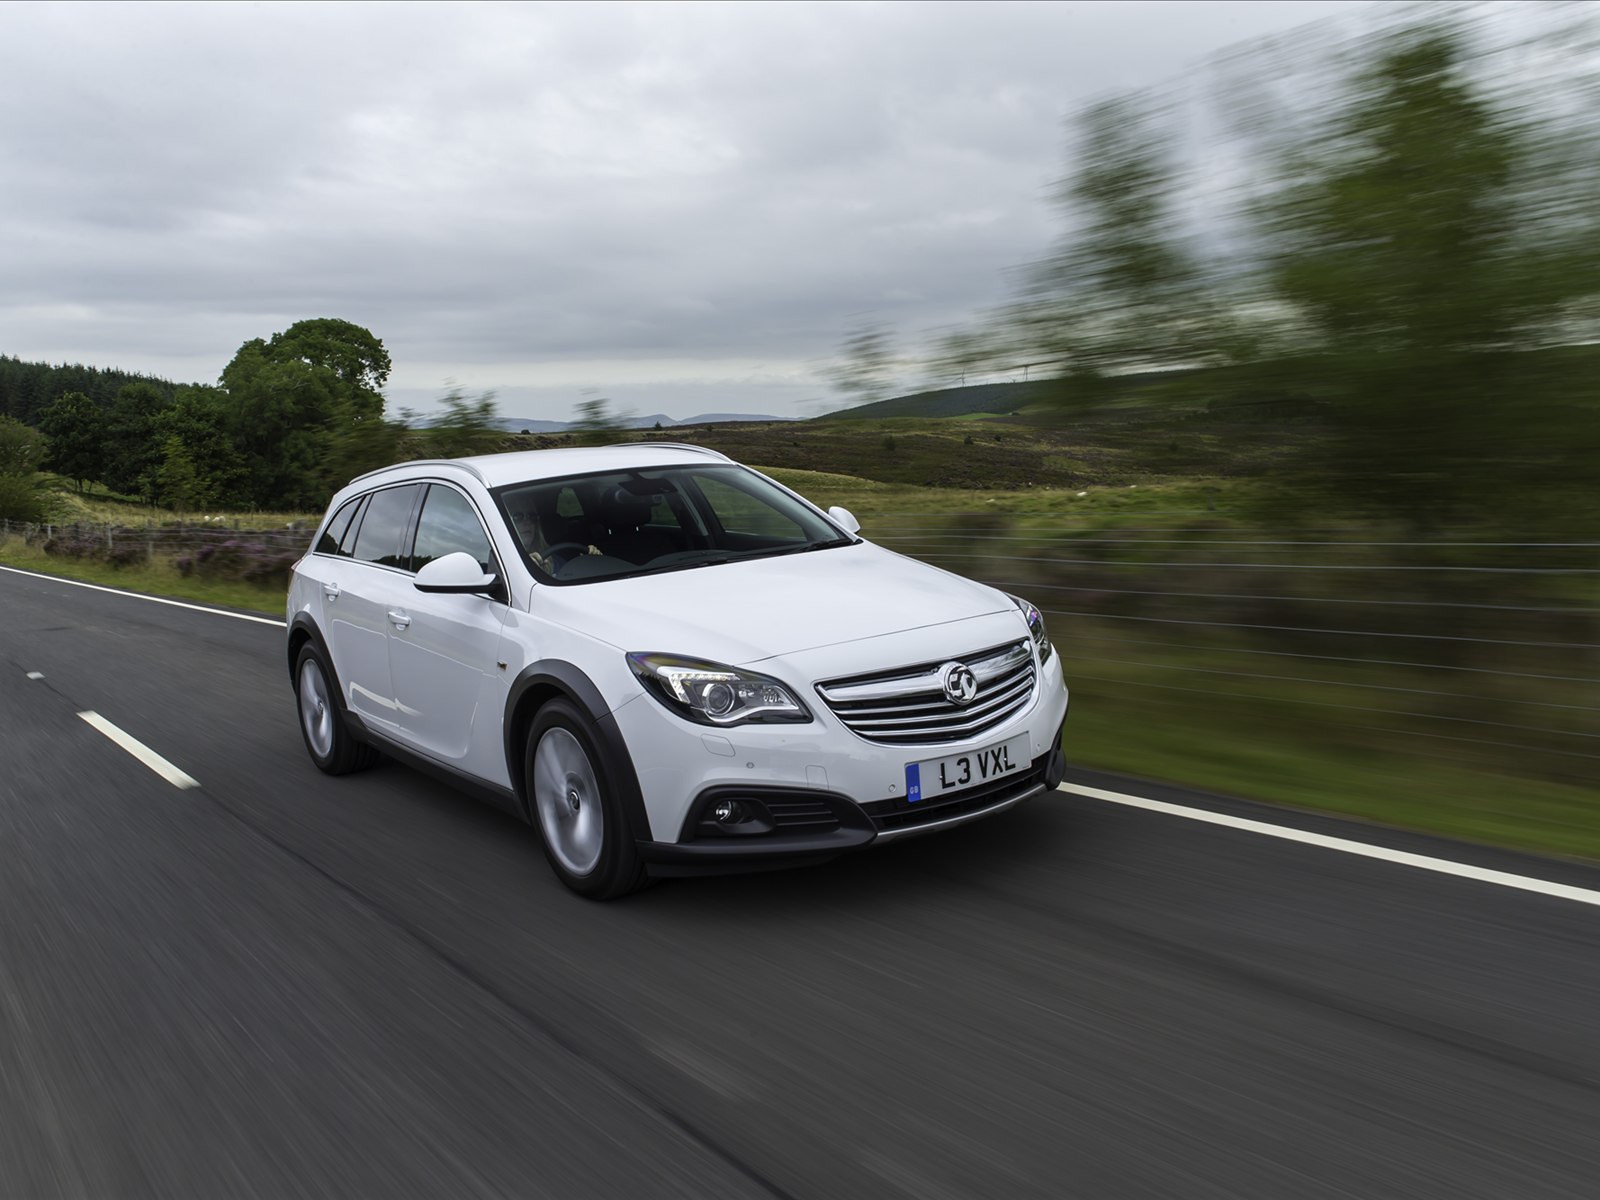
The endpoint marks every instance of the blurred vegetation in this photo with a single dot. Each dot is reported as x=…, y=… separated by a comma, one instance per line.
x=1407, y=265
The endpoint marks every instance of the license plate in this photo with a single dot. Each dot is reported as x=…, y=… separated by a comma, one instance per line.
x=935, y=776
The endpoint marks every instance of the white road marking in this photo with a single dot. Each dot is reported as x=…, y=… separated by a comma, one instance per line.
x=140, y=751
x=35, y=674
x=95, y=587
x=1422, y=862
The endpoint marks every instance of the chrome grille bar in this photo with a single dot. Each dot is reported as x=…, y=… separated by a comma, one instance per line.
x=907, y=706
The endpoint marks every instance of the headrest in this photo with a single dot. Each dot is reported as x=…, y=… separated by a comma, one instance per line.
x=621, y=509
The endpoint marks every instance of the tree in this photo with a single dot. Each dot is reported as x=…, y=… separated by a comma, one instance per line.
x=133, y=447
x=864, y=369
x=21, y=449
x=466, y=426
x=1431, y=249
x=304, y=404
x=596, y=423
x=76, y=430
x=200, y=465
x=1122, y=293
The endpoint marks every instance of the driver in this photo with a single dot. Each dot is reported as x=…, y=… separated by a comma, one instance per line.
x=527, y=526
x=544, y=554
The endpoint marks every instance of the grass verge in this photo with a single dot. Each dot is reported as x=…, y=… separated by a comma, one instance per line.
x=157, y=578
x=1210, y=746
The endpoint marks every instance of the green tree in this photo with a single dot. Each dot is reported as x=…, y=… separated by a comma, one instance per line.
x=304, y=405
x=21, y=450
x=1122, y=293
x=863, y=372
x=596, y=423
x=1431, y=248
x=133, y=444
x=200, y=465
x=464, y=426
x=77, y=435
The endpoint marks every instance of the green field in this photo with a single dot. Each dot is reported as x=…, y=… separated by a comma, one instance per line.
x=1355, y=669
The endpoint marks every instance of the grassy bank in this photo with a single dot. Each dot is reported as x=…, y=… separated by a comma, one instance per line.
x=159, y=577
x=1447, y=687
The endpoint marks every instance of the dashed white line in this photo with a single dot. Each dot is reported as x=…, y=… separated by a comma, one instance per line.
x=140, y=751
x=1423, y=862
x=35, y=674
x=95, y=587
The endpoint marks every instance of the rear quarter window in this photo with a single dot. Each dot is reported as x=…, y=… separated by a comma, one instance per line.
x=328, y=543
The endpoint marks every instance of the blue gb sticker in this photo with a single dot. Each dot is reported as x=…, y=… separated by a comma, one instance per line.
x=913, y=783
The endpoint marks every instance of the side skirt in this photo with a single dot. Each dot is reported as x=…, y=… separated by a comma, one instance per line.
x=501, y=797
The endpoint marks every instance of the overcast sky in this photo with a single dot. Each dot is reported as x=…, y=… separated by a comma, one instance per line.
x=685, y=207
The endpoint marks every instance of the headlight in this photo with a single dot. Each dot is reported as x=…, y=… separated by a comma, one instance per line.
x=713, y=694
x=1041, y=640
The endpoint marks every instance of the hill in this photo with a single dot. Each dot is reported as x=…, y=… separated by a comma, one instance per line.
x=952, y=402
x=540, y=425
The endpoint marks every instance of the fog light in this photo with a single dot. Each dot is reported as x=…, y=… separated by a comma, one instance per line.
x=728, y=812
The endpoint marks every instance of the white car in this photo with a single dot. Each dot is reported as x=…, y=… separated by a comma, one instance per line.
x=666, y=661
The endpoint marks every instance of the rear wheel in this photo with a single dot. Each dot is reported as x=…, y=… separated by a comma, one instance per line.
x=587, y=836
x=328, y=738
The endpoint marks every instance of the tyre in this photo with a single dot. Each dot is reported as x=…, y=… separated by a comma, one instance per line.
x=322, y=724
x=586, y=835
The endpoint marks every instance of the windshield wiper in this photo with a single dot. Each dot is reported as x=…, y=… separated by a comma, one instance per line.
x=714, y=561
x=830, y=544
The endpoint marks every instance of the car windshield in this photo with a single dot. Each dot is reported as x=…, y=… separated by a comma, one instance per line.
x=584, y=528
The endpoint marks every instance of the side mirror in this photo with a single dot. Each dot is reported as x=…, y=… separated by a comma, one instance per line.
x=457, y=573
x=844, y=519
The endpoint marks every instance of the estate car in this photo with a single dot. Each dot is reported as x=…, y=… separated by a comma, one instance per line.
x=665, y=661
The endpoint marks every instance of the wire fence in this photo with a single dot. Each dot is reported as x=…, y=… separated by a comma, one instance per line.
x=1489, y=645
x=1492, y=645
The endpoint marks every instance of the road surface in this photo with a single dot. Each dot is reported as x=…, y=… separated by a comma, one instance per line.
x=274, y=983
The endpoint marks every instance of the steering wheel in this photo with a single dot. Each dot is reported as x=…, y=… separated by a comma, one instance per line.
x=575, y=549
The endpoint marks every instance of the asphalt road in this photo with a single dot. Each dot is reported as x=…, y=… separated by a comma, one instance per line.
x=281, y=984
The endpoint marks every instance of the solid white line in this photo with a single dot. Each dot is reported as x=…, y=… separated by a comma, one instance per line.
x=1422, y=862
x=140, y=751
x=95, y=587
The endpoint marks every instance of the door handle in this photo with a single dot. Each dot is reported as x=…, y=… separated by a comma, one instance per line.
x=331, y=590
x=398, y=618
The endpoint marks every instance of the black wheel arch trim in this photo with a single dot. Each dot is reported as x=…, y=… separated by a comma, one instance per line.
x=570, y=683
x=302, y=623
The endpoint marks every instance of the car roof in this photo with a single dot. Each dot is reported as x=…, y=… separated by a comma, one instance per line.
x=523, y=466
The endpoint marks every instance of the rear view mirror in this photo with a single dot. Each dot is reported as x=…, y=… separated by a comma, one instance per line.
x=457, y=573
x=844, y=519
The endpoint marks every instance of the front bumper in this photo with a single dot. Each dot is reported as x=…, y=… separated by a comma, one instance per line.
x=817, y=790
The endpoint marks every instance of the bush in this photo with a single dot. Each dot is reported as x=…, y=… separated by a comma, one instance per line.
x=21, y=499
x=252, y=562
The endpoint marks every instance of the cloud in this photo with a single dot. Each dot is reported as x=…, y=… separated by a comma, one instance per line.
x=524, y=193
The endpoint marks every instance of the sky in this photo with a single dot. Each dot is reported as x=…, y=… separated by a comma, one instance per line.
x=679, y=208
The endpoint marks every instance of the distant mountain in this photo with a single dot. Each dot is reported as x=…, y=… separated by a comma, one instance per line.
x=951, y=402
x=536, y=425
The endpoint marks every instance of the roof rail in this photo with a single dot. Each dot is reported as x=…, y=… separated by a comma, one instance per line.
x=680, y=446
x=427, y=462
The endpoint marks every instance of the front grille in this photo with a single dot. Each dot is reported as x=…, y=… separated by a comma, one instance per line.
x=908, y=706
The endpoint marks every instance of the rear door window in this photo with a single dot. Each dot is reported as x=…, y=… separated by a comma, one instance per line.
x=387, y=518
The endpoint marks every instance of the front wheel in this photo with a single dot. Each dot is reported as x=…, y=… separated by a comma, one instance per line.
x=587, y=837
